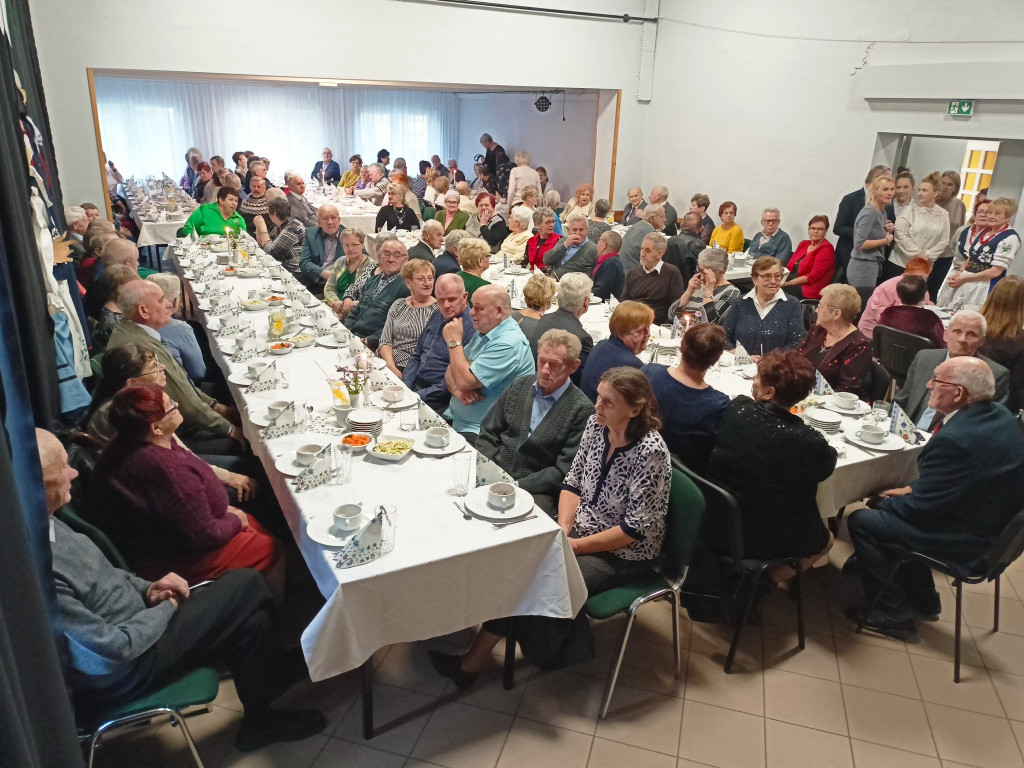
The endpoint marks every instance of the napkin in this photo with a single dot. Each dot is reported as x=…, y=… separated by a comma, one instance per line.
x=317, y=473
x=289, y=422
x=374, y=540
x=269, y=378
x=903, y=426
x=740, y=355
x=230, y=326
x=246, y=351
x=821, y=387
x=324, y=325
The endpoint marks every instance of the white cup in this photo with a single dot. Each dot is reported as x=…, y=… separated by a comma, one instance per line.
x=845, y=400
x=438, y=437
x=305, y=454
x=341, y=413
x=275, y=270
x=871, y=433
x=394, y=393
x=256, y=367
x=340, y=334
x=501, y=495
x=347, y=517
x=276, y=408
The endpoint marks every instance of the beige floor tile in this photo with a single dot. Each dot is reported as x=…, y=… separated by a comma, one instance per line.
x=806, y=701
x=653, y=624
x=690, y=764
x=790, y=746
x=457, y=736
x=652, y=667
x=989, y=588
x=936, y=639
x=714, y=640
x=1011, y=693
x=880, y=669
x=974, y=692
x=643, y=719
x=339, y=753
x=1012, y=581
x=488, y=691
x=893, y=721
x=293, y=754
x=845, y=631
x=612, y=754
x=1001, y=651
x=333, y=697
x=968, y=737
x=1018, y=731
x=978, y=613
x=742, y=690
x=399, y=716
x=564, y=700
x=535, y=745
x=818, y=658
x=717, y=736
x=868, y=755
x=778, y=611
x=408, y=666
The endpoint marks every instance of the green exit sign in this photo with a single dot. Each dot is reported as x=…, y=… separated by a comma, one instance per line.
x=961, y=108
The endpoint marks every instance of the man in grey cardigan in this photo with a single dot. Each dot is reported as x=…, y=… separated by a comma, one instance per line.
x=534, y=429
x=575, y=252
x=126, y=636
x=654, y=221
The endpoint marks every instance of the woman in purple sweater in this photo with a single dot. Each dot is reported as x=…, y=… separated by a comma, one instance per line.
x=163, y=506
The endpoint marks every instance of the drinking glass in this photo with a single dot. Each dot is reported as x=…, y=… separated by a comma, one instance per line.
x=338, y=391
x=409, y=419
x=343, y=459
x=880, y=411
x=462, y=463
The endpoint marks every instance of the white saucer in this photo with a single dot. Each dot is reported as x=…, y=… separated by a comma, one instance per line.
x=476, y=503
x=307, y=322
x=456, y=443
x=890, y=444
x=287, y=465
x=241, y=378
x=859, y=410
x=408, y=401
x=328, y=341
x=596, y=299
x=321, y=530
x=198, y=289
x=204, y=304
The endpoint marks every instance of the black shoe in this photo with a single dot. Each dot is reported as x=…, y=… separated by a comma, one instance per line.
x=450, y=666
x=897, y=630
x=927, y=608
x=267, y=728
x=852, y=566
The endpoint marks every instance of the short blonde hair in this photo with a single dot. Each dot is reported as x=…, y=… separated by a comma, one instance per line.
x=876, y=186
x=471, y=250
x=1007, y=204
x=412, y=266
x=554, y=338
x=539, y=291
x=530, y=191
x=355, y=232
x=628, y=317
x=441, y=184
x=844, y=298
x=169, y=283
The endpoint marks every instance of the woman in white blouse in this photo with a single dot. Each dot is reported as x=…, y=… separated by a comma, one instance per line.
x=522, y=176
x=921, y=230
x=583, y=202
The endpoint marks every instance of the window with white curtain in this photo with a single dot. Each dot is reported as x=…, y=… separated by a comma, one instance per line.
x=148, y=124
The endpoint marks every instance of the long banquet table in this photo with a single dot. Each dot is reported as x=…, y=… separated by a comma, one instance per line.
x=444, y=574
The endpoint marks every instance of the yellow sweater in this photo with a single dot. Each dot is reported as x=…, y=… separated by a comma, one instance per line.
x=348, y=178
x=730, y=241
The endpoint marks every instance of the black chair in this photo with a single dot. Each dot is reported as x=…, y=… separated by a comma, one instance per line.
x=878, y=388
x=724, y=511
x=808, y=310
x=895, y=350
x=1007, y=547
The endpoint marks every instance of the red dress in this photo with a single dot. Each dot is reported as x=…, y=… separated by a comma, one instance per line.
x=818, y=267
x=535, y=249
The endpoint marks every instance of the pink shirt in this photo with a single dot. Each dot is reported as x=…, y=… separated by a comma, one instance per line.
x=883, y=298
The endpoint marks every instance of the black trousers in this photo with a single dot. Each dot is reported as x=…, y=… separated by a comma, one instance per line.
x=889, y=271
x=940, y=268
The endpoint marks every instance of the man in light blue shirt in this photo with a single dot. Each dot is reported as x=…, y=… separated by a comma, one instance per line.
x=479, y=372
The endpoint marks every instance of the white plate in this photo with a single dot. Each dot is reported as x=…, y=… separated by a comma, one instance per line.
x=596, y=299
x=514, y=271
x=820, y=416
x=255, y=307
x=328, y=341
x=858, y=410
x=456, y=443
x=390, y=457
x=241, y=378
x=321, y=530
x=204, y=304
x=287, y=465
x=307, y=322
x=476, y=503
x=198, y=289
x=408, y=401
x=284, y=351
x=890, y=444
x=365, y=415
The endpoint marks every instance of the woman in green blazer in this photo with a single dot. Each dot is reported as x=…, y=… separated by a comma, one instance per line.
x=451, y=217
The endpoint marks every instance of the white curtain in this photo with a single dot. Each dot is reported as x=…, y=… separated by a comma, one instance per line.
x=147, y=125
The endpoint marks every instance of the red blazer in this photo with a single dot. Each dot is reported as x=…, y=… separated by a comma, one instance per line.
x=818, y=267
x=847, y=366
x=535, y=249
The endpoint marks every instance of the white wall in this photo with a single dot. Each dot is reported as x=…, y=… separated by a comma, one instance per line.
x=1008, y=178
x=928, y=154
x=147, y=35
x=565, y=149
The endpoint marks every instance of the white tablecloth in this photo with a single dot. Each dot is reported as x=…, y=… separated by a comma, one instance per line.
x=444, y=574
x=355, y=213
x=160, y=232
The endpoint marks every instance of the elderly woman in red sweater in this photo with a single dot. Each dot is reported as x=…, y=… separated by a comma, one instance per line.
x=163, y=506
x=813, y=263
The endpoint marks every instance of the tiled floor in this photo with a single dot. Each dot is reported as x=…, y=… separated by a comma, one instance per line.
x=846, y=700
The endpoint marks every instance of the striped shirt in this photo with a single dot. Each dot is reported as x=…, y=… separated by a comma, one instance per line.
x=403, y=329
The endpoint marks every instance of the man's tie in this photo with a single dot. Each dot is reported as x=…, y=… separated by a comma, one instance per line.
x=937, y=422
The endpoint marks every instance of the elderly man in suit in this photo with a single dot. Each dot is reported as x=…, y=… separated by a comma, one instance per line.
x=326, y=170
x=849, y=207
x=575, y=252
x=964, y=337
x=968, y=488
x=206, y=427
x=533, y=431
x=573, y=302
x=302, y=209
x=653, y=221
x=431, y=244
x=659, y=196
x=321, y=247
x=633, y=213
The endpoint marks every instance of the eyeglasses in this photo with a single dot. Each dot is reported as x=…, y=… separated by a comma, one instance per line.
x=769, y=221
x=160, y=368
x=172, y=409
x=937, y=380
x=773, y=276
x=817, y=229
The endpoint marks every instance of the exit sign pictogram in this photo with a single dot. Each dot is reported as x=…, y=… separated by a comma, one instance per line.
x=962, y=108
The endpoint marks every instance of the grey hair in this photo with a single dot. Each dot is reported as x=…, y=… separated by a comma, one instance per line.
x=451, y=277
x=577, y=216
x=169, y=283
x=714, y=259
x=556, y=337
x=433, y=224
x=380, y=168
x=542, y=213
x=659, y=240
x=452, y=239
x=522, y=157
x=552, y=199
x=452, y=162
x=772, y=210
x=291, y=174
x=132, y=294
x=485, y=137
x=601, y=208
x=652, y=209
x=660, y=190
x=254, y=163
x=970, y=314
x=384, y=237
x=117, y=251
x=573, y=291
x=521, y=216
x=328, y=207
x=327, y=149
x=451, y=194
x=74, y=214
x=356, y=232
x=978, y=380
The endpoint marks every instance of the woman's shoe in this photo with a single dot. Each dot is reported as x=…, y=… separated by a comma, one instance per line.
x=450, y=665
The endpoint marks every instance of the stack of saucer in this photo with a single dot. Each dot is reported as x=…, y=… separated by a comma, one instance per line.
x=366, y=420
x=827, y=421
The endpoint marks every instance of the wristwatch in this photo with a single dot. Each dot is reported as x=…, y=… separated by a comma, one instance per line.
x=454, y=344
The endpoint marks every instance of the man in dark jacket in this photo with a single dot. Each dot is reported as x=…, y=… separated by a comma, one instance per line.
x=330, y=170
x=321, y=247
x=683, y=249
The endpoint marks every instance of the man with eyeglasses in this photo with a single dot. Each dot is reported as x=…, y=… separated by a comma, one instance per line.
x=375, y=297
x=968, y=489
x=964, y=337
x=771, y=241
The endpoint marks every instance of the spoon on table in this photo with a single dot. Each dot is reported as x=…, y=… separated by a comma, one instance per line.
x=463, y=510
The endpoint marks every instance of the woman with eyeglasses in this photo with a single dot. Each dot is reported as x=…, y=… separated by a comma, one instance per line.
x=813, y=263
x=164, y=507
x=765, y=318
x=409, y=316
x=840, y=352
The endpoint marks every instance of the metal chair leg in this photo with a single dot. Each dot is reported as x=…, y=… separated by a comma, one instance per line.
x=188, y=737
x=956, y=640
x=798, y=585
x=995, y=609
x=508, y=679
x=752, y=578
x=368, y=698
x=676, y=607
x=618, y=663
